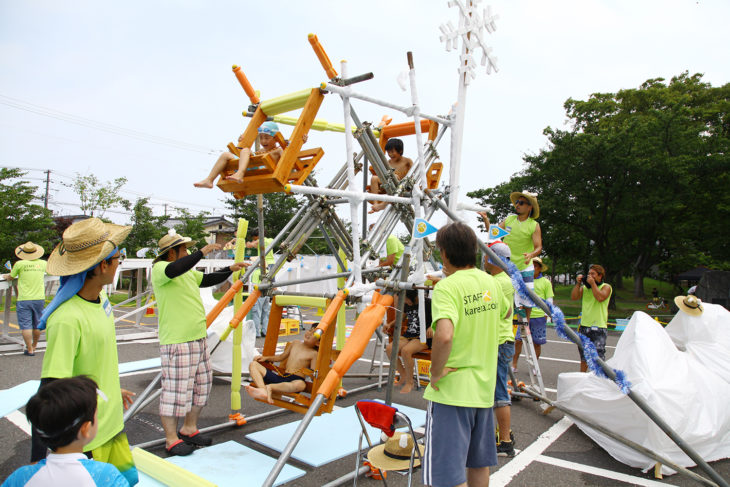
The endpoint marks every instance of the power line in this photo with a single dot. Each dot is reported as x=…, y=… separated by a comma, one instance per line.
x=103, y=126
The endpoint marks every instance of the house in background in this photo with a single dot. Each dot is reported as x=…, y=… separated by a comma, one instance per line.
x=219, y=228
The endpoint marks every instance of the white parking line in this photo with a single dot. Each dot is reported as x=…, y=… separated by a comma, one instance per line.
x=600, y=472
x=504, y=475
x=564, y=342
x=19, y=420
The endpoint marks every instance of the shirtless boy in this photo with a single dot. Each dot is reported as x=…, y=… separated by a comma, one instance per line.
x=401, y=165
x=267, y=132
x=297, y=354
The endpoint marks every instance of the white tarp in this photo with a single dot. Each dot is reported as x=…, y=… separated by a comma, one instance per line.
x=222, y=359
x=688, y=387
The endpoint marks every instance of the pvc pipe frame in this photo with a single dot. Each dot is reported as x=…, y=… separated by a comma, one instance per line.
x=294, y=188
x=638, y=400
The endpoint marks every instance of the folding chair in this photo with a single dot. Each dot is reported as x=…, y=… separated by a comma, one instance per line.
x=387, y=419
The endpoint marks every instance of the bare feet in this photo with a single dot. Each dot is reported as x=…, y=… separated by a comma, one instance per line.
x=268, y=395
x=256, y=393
x=378, y=206
x=234, y=177
x=205, y=183
x=407, y=388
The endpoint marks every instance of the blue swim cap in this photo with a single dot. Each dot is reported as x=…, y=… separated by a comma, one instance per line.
x=269, y=128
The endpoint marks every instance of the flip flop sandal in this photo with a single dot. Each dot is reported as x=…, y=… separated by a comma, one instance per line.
x=29, y=354
x=196, y=439
x=180, y=448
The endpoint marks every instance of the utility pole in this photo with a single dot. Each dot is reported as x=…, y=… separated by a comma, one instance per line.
x=48, y=182
x=165, y=209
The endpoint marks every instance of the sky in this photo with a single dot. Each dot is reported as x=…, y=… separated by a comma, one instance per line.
x=144, y=89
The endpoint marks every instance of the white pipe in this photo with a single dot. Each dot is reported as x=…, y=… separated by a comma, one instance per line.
x=473, y=207
x=407, y=110
x=354, y=202
x=294, y=188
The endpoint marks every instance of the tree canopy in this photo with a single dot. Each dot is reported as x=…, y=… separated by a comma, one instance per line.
x=22, y=220
x=633, y=182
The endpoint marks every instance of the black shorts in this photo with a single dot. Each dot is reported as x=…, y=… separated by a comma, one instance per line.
x=598, y=337
x=272, y=377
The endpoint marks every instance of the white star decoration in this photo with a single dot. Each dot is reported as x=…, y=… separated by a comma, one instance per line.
x=470, y=31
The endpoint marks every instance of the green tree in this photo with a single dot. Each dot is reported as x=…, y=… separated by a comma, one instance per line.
x=192, y=226
x=21, y=219
x=632, y=183
x=279, y=208
x=147, y=229
x=96, y=197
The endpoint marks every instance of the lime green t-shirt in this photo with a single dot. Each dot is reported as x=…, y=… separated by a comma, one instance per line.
x=182, y=315
x=519, y=239
x=544, y=289
x=30, y=275
x=256, y=275
x=474, y=302
x=81, y=339
x=506, y=332
x=394, y=246
x=594, y=313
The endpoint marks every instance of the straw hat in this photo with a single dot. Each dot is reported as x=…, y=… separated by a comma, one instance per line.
x=531, y=197
x=692, y=305
x=85, y=244
x=170, y=240
x=29, y=251
x=395, y=453
x=538, y=260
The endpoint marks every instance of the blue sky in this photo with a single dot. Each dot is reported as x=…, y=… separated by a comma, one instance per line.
x=163, y=69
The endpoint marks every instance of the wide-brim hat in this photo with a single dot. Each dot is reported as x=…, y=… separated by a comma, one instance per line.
x=170, y=240
x=395, y=453
x=29, y=251
x=84, y=244
x=692, y=305
x=531, y=197
x=538, y=260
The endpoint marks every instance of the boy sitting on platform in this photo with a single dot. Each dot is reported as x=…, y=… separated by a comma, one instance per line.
x=410, y=341
x=286, y=378
x=63, y=413
x=267, y=134
x=401, y=165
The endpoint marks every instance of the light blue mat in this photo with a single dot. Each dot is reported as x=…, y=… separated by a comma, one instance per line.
x=228, y=464
x=329, y=436
x=16, y=397
x=151, y=363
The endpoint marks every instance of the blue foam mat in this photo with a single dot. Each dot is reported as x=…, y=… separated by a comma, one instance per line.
x=329, y=437
x=16, y=397
x=151, y=363
x=228, y=464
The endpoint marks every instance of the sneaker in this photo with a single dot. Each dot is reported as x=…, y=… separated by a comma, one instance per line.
x=506, y=449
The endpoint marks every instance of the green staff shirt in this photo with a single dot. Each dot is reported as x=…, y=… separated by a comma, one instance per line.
x=506, y=330
x=519, y=239
x=474, y=302
x=256, y=275
x=82, y=340
x=544, y=289
x=30, y=275
x=182, y=315
x=394, y=246
x=594, y=313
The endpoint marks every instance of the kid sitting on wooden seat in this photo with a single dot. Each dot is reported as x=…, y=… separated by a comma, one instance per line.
x=401, y=165
x=267, y=134
x=298, y=356
x=410, y=341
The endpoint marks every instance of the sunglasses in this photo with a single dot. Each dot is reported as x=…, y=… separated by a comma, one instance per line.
x=522, y=202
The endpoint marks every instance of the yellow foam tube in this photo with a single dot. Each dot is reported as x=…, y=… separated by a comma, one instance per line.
x=166, y=472
x=285, y=103
x=307, y=301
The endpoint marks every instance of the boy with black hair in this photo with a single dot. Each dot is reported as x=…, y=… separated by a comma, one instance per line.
x=401, y=165
x=63, y=414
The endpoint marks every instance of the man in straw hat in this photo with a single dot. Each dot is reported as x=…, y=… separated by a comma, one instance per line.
x=538, y=319
x=183, y=331
x=524, y=239
x=467, y=307
x=29, y=271
x=81, y=338
x=594, y=309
